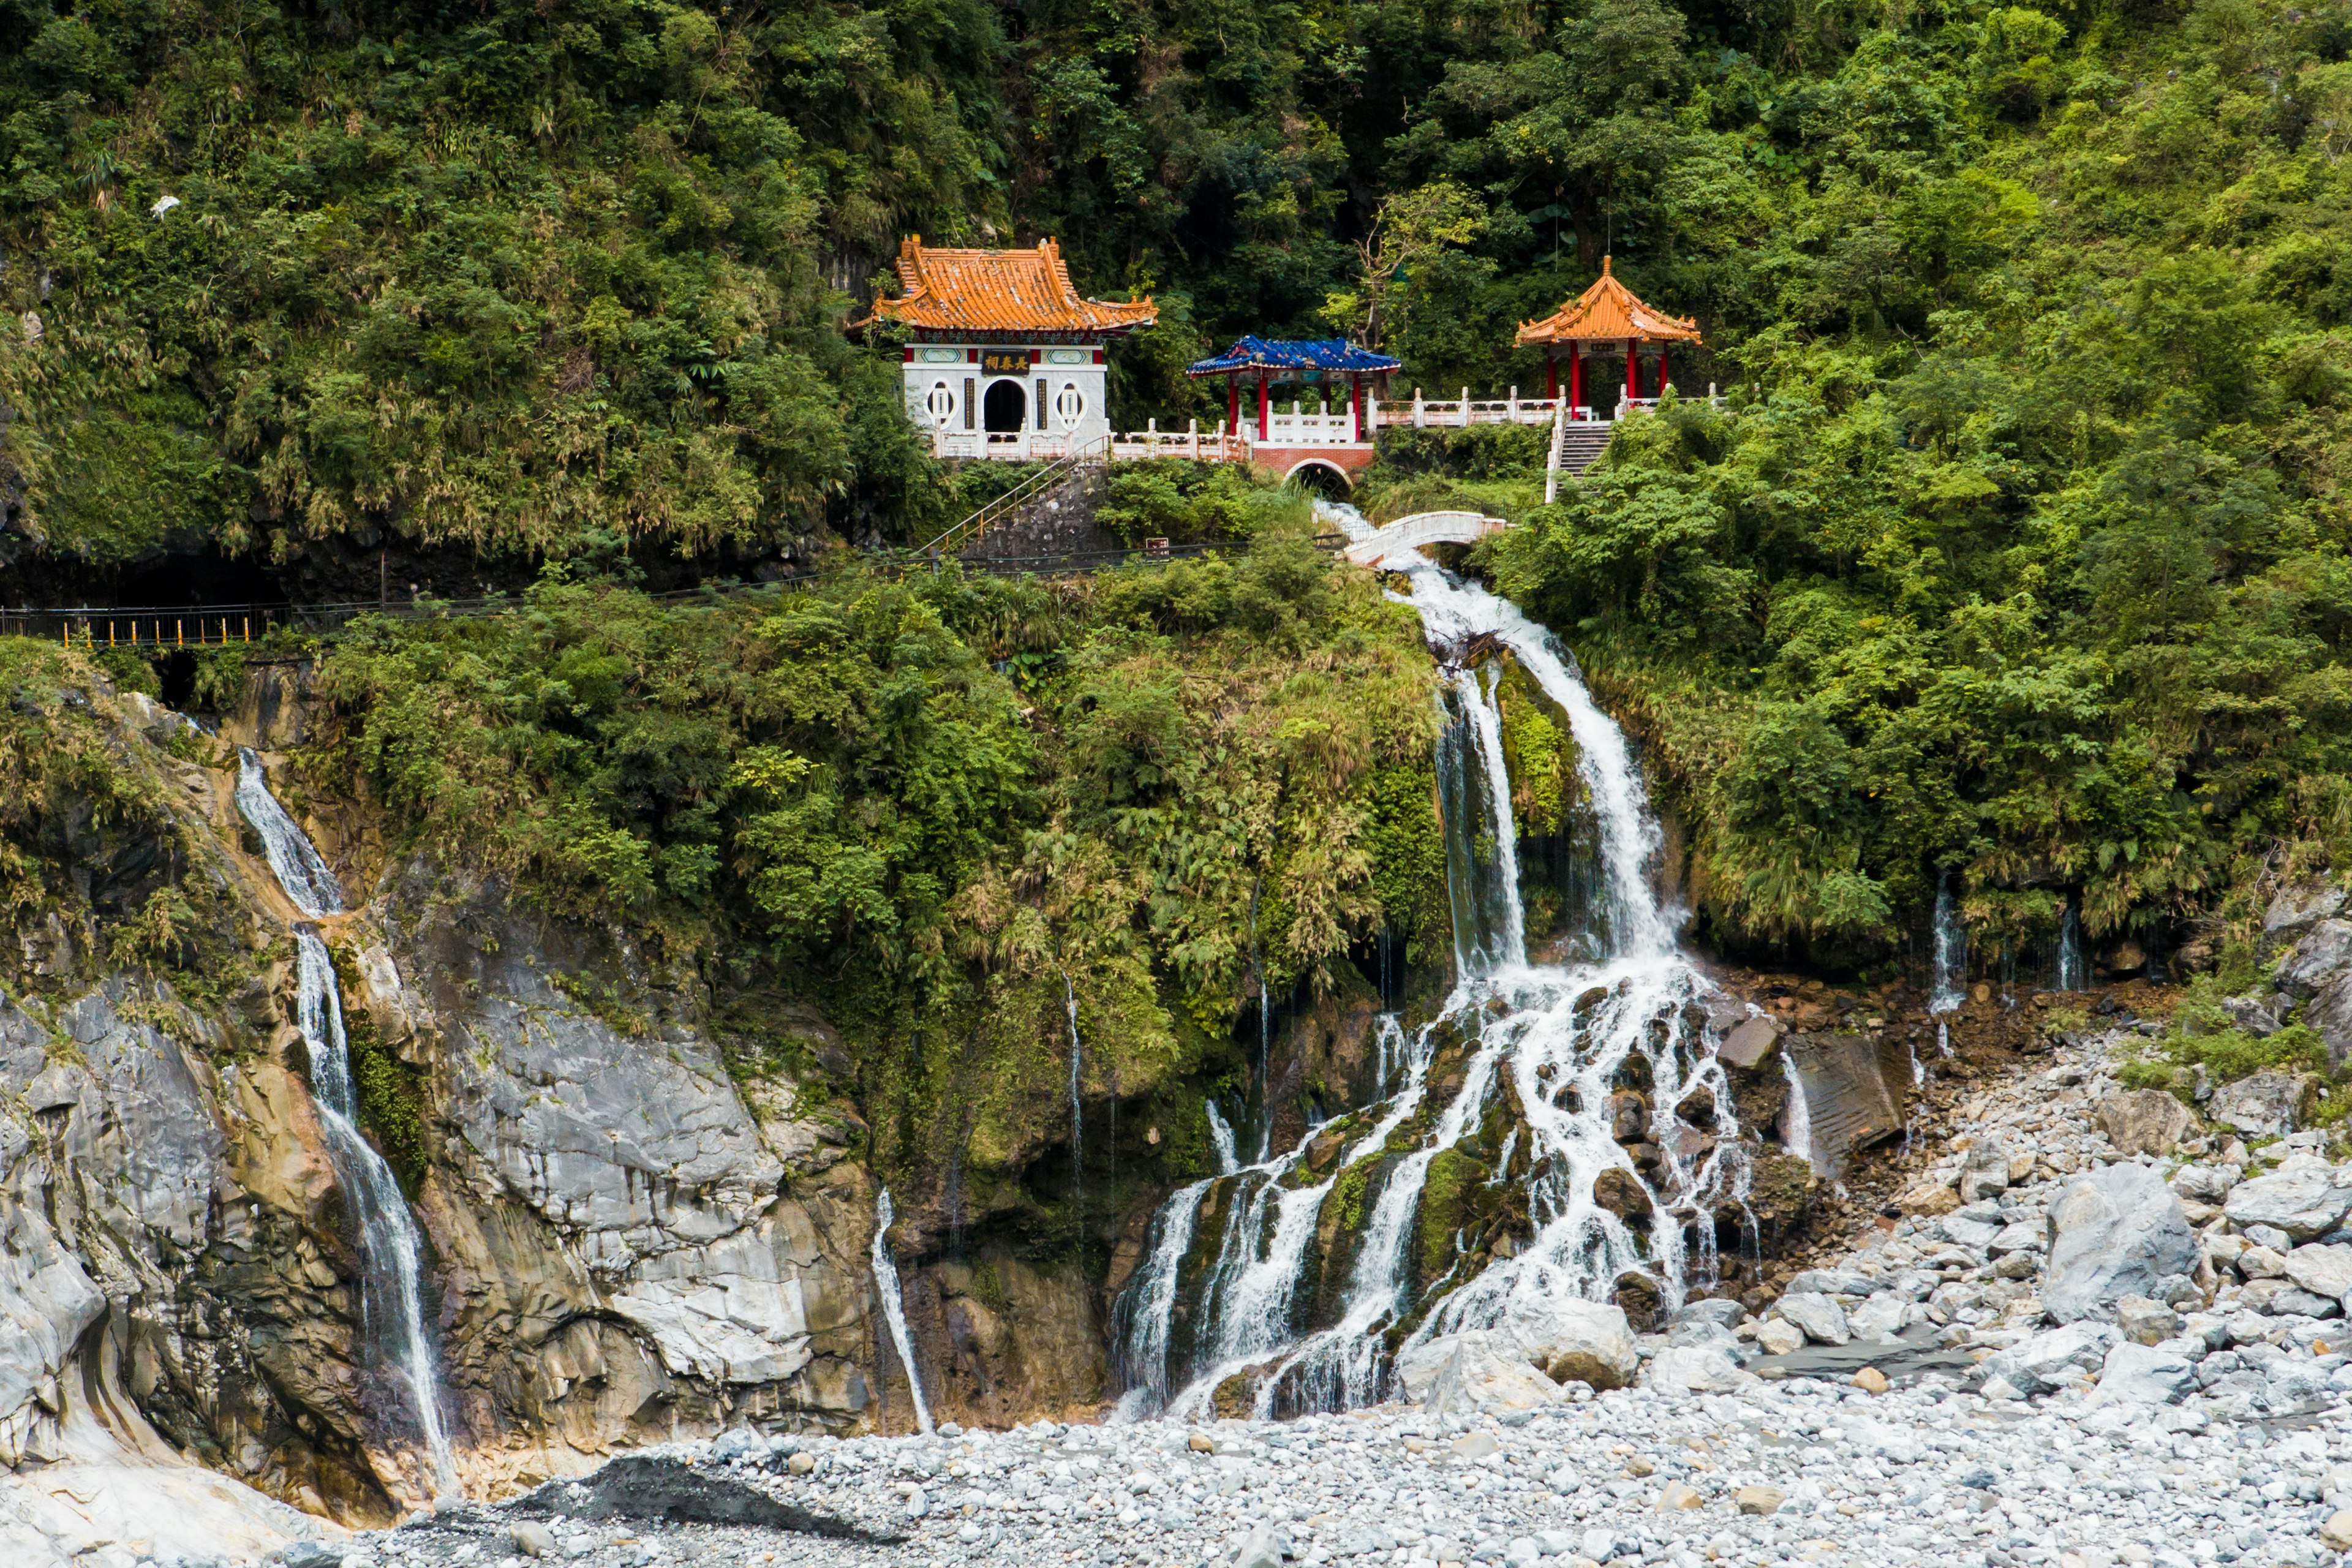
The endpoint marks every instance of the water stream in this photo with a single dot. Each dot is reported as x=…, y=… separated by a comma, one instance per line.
x=2073, y=974
x=894, y=1308
x=1949, y=972
x=1077, y=1125
x=395, y=1342
x=1203, y=1309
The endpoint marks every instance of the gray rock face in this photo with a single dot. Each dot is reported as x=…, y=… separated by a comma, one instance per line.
x=2323, y=953
x=2299, y=907
x=2267, y=1104
x=2304, y=1198
x=2118, y=1232
x=2318, y=971
x=47, y=1303
x=2144, y=1120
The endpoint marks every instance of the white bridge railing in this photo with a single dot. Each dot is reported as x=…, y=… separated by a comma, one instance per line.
x=1302, y=425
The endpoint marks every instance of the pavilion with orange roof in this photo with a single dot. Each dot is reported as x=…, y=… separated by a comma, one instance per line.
x=1605, y=319
x=1004, y=357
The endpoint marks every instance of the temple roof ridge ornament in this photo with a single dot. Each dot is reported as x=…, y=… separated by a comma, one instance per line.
x=999, y=292
x=1608, y=312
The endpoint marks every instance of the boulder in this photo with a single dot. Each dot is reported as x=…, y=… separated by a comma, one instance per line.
x=2143, y=1321
x=2143, y=1375
x=1975, y=1235
x=1701, y=1364
x=1986, y=1173
x=1575, y=1341
x=1263, y=1547
x=1484, y=1374
x=2250, y=1017
x=1778, y=1336
x=2144, y=1120
x=2205, y=1183
x=1749, y=1044
x=2324, y=1270
x=2315, y=963
x=1847, y=1098
x=2267, y=1104
x=2115, y=1234
x=1879, y=1318
x=1927, y=1198
x=1820, y=1318
x=1713, y=1312
x=1834, y=1282
x=2039, y=1364
x=2305, y=1197
x=2299, y=907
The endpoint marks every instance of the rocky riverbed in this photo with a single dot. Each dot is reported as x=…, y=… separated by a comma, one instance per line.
x=2094, y=1330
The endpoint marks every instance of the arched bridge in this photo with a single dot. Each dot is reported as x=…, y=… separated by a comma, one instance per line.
x=1423, y=528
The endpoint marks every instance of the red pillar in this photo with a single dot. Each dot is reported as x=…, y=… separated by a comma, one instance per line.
x=1632, y=367
x=1575, y=377
x=1356, y=402
x=1551, y=374
x=1233, y=405
x=1265, y=408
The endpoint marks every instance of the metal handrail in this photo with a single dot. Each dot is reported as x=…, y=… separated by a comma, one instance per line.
x=217, y=626
x=1051, y=477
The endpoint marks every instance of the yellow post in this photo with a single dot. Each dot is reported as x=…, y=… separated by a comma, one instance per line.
x=179, y=634
x=248, y=628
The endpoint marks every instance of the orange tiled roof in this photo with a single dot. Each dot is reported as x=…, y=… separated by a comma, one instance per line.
x=999, y=292
x=1609, y=312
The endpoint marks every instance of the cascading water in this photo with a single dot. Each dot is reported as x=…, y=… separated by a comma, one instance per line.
x=395, y=1342
x=1797, y=1121
x=894, y=1307
x=2073, y=974
x=1221, y=1139
x=1077, y=1128
x=1559, y=1036
x=1949, y=967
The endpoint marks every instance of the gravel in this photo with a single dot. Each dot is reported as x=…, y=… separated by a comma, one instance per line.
x=2229, y=1441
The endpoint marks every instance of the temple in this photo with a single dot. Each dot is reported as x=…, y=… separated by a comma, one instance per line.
x=1605, y=322
x=1006, y=358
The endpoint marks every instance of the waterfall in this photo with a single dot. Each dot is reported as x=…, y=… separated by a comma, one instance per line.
x=1077, y=1129
x=2072, y=973
x=894, y=1307
x=1559, y=1036
x=1947, y=978
x=1797, y=1120
x=1142, y=1315
x=393, y=1337
x=1221, y=1137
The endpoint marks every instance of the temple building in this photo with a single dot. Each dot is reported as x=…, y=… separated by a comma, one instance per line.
x=1004, y=357
x=1608, y=322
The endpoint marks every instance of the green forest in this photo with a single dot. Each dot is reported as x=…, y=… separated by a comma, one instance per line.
x=2015, y=551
